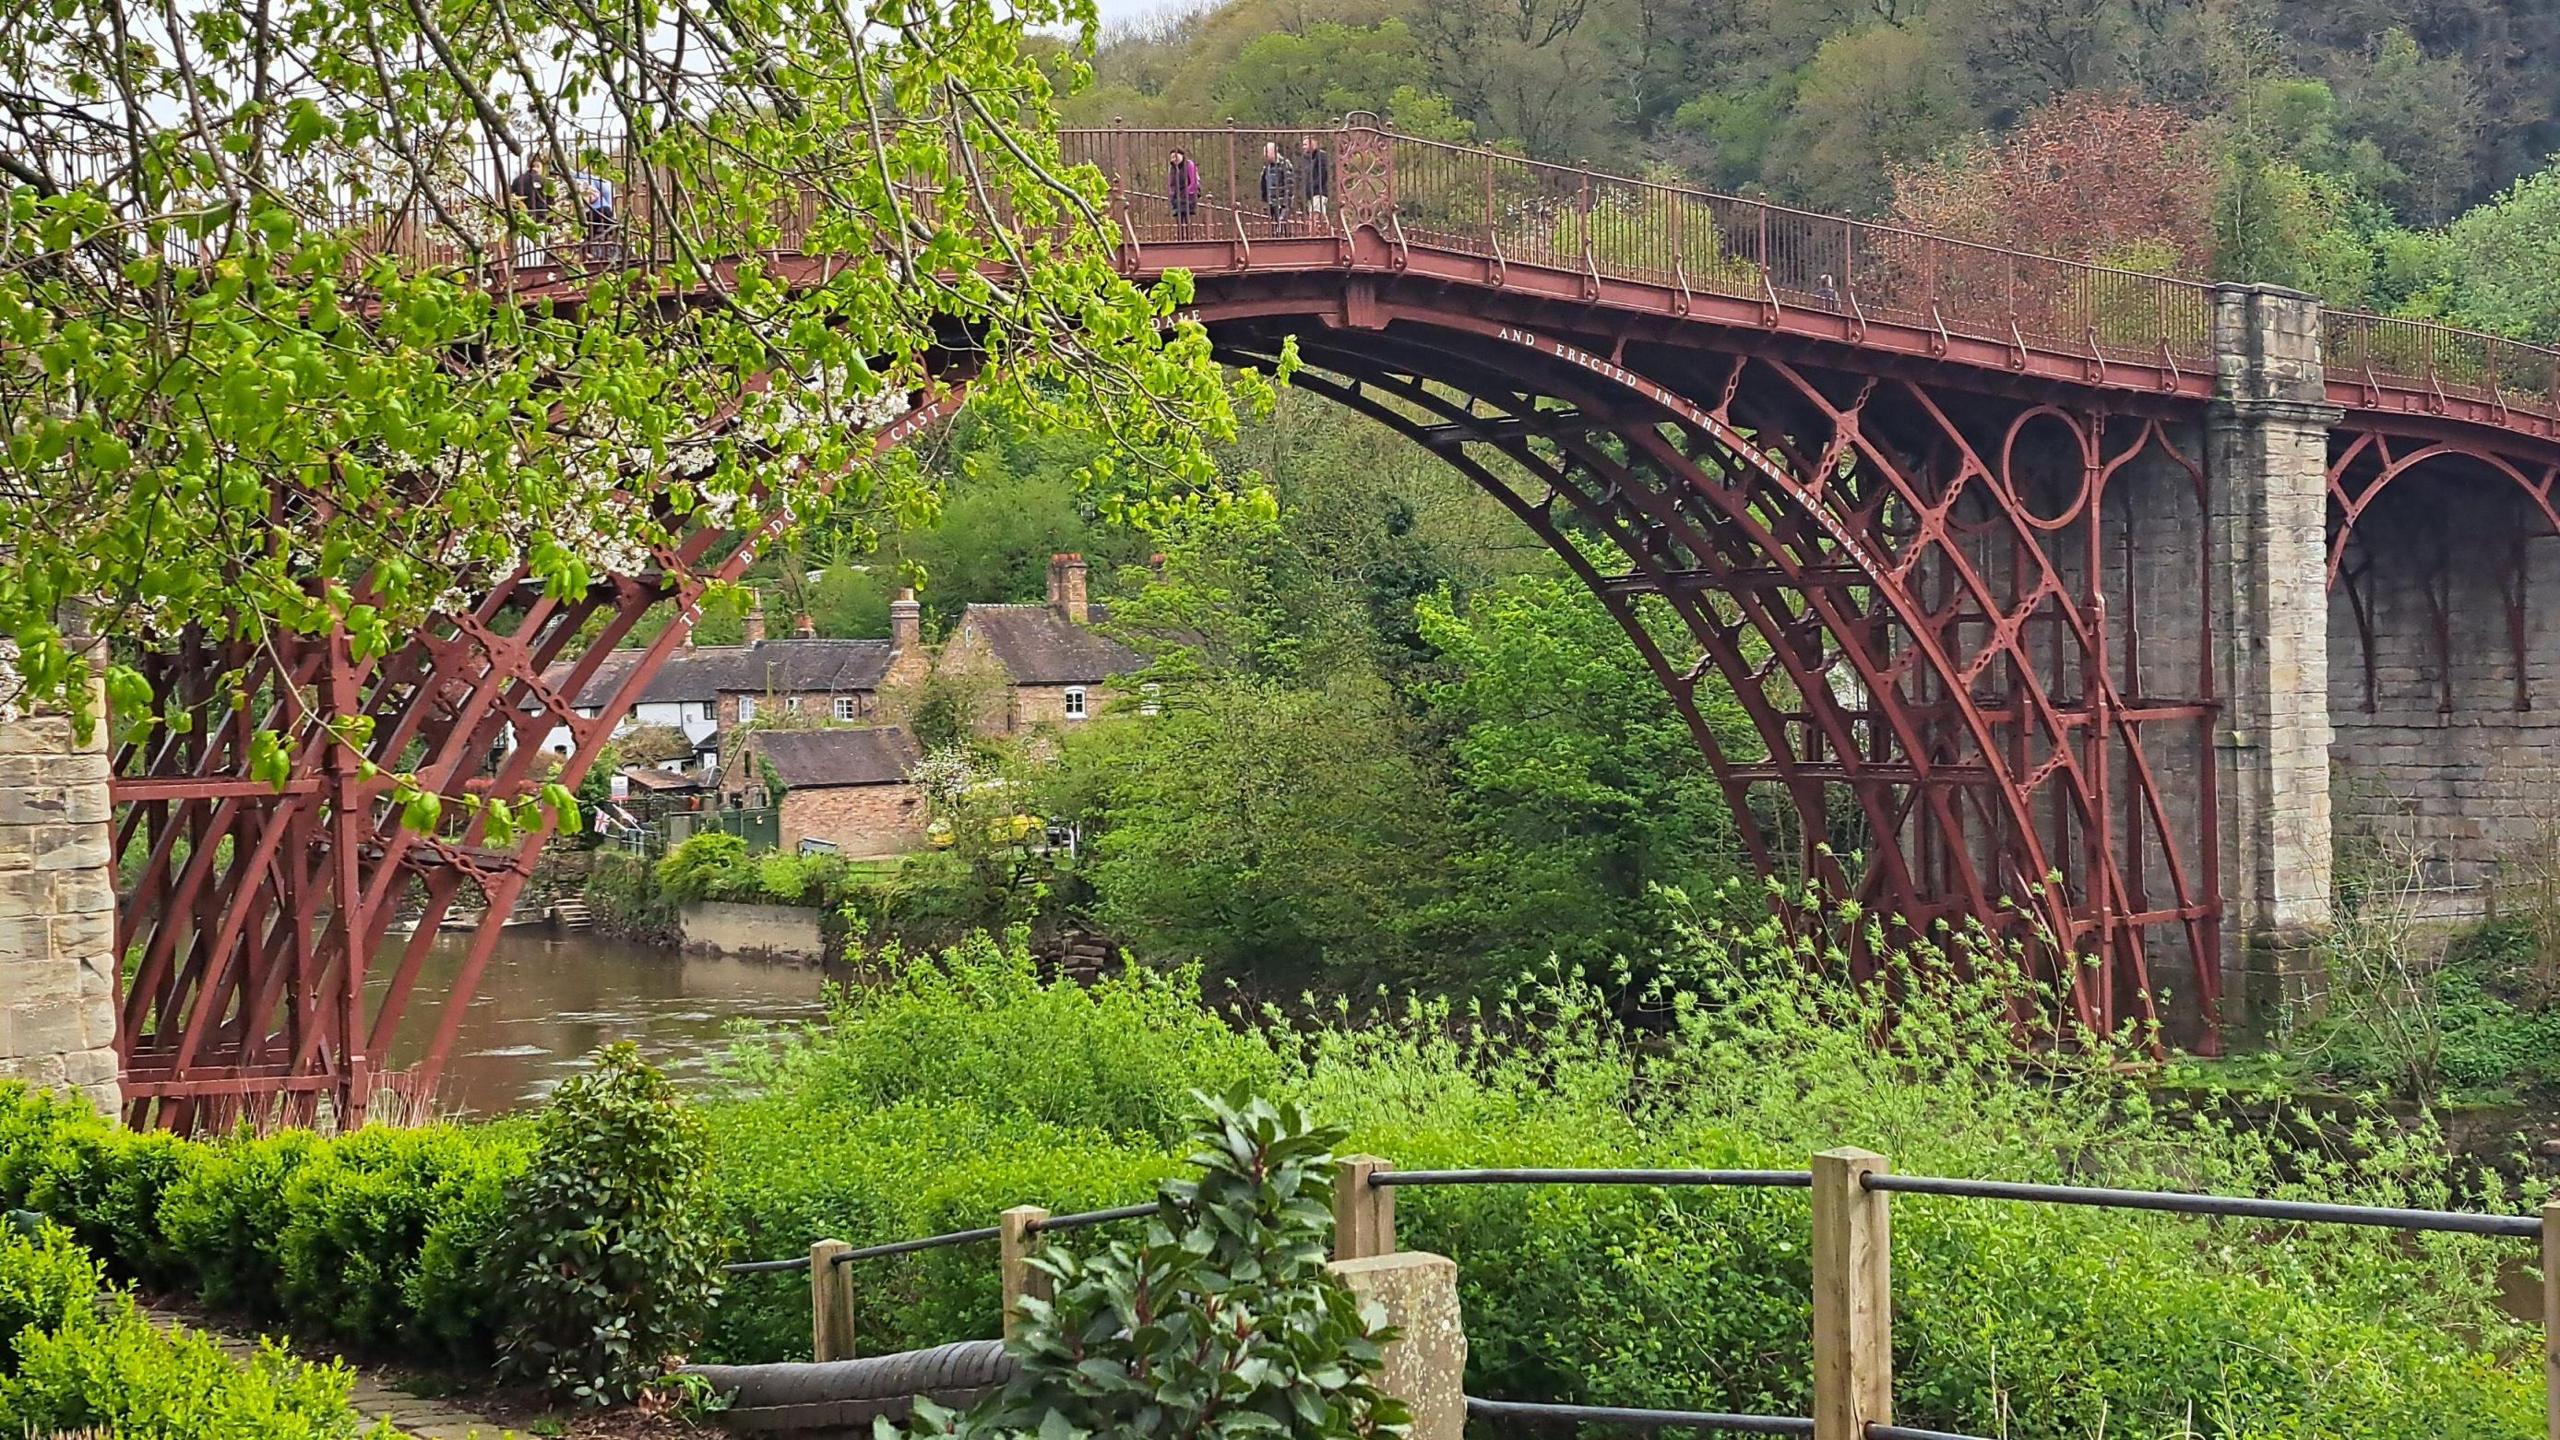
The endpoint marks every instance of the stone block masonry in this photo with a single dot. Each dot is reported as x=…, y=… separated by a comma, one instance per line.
x=57, y=910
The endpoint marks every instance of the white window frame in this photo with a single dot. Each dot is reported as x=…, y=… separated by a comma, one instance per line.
x=1072, y=702
x=746, y=708
x=1150, y=698
x=848, y=707
x=790, y=704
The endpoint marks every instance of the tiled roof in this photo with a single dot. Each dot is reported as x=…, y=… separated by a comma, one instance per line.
x=818, y=759
x=1038, y=646
x=706, y=672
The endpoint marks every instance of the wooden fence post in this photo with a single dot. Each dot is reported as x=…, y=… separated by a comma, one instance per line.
x=1852, y=1296
x=830, y=1302
x=1017, y=1235
x=2551, y=1319
x=1364, y=1215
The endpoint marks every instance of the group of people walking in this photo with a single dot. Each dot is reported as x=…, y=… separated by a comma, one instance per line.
x=1299, y=190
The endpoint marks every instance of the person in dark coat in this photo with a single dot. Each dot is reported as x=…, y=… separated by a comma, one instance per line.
x=530, y=193
x=1315, y=168
x=1182, y=189
x=1279, y=182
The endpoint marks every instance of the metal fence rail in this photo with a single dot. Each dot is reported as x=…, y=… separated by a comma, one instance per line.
x=1852, y=1261
x=1459, y=199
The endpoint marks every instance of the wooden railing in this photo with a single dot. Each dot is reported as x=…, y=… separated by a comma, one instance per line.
x=1852, y=1265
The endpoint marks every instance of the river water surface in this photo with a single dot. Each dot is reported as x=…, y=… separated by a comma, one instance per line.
x=547, y=1001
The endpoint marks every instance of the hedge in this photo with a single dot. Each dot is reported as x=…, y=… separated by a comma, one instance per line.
x=69, y=1363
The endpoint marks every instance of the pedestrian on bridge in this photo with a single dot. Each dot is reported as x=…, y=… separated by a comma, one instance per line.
x=1279, y=183
x=1318, y=174
x=530, y=193
x=1182, y=189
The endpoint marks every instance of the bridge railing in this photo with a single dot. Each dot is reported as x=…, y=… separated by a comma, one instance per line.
x=2379, y=350
x=1469, y=200
x=1852, y=1268
x=1510, y=210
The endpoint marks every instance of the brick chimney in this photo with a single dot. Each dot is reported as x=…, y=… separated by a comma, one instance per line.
x=803, y=626
x=906, y=623
x=755, y=620
x=1066, y=587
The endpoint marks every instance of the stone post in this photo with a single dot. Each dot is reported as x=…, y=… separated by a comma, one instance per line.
x=2268, y=463
x=57, y=908
x=1426, y=1365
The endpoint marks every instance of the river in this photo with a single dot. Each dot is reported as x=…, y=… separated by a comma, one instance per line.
x=547, y=1001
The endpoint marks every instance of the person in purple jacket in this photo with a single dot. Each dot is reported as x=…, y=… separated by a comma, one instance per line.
x=1182, y=189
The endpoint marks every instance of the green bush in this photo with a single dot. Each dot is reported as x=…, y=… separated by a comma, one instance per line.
x=229, y=1212
x=120, y=1375
x=358, y=1217
x=369, y=1239
x=709, y=866
x=67, y=1365
x=606, y=1256
x=46, y=1281
x=1219, y=1321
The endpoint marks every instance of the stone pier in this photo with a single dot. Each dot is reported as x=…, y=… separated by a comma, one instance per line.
x=57, y=910
x=2267, y=456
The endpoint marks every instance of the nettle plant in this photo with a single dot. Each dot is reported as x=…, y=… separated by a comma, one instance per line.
x=1221, y=1322
x=271, y=362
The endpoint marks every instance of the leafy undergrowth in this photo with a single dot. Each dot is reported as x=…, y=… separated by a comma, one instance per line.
x=965, y=1085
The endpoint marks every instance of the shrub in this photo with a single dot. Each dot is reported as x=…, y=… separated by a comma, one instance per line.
x=606, y=1256
x=66, y=1365
x=964, y=1073
x=1221, y=1320
x=121, y=1375
x=706, y=867
x=45, y=1282
x=228, y=1214
x=358, y=1217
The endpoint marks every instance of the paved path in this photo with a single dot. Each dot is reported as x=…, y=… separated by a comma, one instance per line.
x=373, y=1396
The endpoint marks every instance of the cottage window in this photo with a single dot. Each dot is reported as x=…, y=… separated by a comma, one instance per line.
x=791, y=704
x=710, y=709
x=848, y=708
x=746, y=708
x=1075, y=702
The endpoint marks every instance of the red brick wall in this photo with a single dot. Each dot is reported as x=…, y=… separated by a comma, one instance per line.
x=860, y=820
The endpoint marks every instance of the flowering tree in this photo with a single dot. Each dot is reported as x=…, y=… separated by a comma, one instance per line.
x=293, y=339
x=2088, y=176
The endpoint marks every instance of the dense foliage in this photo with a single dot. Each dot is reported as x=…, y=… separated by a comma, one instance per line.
x=70, y=1364
x=967, y=1086
x=1219, y=1322
x=606, y=1259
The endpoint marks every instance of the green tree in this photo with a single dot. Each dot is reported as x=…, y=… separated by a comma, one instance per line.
x=2504, y=261
x=1871, y=100
x=248, y=402
x=1580, y=790
x=1316, y=75
x=1272, y=829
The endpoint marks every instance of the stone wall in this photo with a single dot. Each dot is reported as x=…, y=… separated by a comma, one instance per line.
x=767, y=932
x=2447, y=768
x=57, y=911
